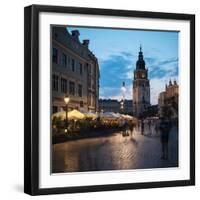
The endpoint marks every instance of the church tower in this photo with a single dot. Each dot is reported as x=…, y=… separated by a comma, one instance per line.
x=141, y=87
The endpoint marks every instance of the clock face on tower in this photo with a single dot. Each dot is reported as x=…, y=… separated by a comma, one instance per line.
x=140, y=75
x=143, y=75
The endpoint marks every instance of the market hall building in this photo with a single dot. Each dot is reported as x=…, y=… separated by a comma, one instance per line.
x=75, y=72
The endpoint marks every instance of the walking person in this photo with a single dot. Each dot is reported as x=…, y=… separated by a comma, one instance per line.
x=157, y=127
x=149, y=124
x=138, y=125
x=131, y=127
x=142, y=126
x=121, y=124
x=125, y=129
x=165, y=127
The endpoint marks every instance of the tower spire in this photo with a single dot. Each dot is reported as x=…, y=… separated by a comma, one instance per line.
x=140, y=47
x=140, y=64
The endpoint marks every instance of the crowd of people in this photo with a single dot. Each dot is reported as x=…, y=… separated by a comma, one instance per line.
x=158, y=127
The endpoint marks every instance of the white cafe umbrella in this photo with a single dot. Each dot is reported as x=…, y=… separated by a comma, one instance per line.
x=74, y=114
x=111, y=115
x=90, y=115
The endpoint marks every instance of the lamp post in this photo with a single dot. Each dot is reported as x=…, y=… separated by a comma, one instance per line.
x=66, y=99
x=123, y=91
x=122, y=105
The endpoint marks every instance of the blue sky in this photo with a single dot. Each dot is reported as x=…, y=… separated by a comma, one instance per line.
x=117, y=52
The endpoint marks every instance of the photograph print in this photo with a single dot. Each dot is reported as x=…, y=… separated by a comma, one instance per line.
x=114, y=99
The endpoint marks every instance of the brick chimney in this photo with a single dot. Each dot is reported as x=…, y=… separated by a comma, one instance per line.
x=75, y=35
x=86, y=43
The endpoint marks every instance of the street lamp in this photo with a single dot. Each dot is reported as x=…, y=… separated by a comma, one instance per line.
x=66, y=99
x=122, y=105
x=123, y=91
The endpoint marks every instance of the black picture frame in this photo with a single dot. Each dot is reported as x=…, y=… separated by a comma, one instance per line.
x=31, y=98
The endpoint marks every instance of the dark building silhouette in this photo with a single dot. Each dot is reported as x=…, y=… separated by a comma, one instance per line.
x=113, y=105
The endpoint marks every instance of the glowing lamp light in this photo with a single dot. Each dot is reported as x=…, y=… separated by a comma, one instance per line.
x=66, y=99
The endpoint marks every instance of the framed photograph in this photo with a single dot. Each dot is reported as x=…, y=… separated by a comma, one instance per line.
x=109, y=99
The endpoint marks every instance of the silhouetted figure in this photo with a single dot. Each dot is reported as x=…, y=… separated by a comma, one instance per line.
x=131, y=127
x=125, y=129
x=142, y=127
x=149, y=124
x=139, y=125
x=165, y=127
x=156, y=127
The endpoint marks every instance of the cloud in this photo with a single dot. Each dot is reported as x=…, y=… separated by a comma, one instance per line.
x=115, y=92
x=108, y=91
x=119, y=67
x=169, y=61
x=127, y=54
x=163, y=68
x=114, y=70
x=149, y=60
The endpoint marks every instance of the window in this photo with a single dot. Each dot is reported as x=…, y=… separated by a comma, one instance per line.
x=64, y=60
x=90, y=82
x=71, y=88
x=73, y=65
x=89, y=69
x=55, y=82
x=68, y=60
x=89, y=99
x=81, y=69
x=81, y=104
x=63, y=85
x=55, y=55
x=55, y=109
x=79, y=90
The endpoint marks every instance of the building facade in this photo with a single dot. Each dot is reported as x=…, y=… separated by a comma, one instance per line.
x=109, y=105
x=128, y=106
x=75, y=72
x=169, y=99
x=141, y=87
x=113, y=105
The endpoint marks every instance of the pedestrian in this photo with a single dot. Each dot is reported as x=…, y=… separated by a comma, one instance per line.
x=142, y=126
x=149, y=124
x=131, y=127
x=138, y=125
x=157, y=127
x=165, y=127
x=125, y=129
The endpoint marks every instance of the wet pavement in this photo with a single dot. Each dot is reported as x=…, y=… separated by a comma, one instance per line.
x=114, y=152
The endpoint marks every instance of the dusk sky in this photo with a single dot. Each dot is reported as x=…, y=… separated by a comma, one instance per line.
x=117, y=52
